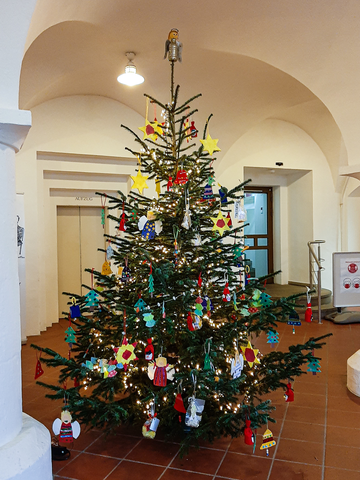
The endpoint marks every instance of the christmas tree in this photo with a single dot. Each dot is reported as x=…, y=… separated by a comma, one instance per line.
x=167, y=343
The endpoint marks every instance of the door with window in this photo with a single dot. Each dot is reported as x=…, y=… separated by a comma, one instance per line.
x=259, y=232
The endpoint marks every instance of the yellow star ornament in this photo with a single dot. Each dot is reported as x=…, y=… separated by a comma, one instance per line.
x=210, y=144
x=139, y=182
x=151, y=130
x=220, y=223
x=250, y=354
x=125, y=353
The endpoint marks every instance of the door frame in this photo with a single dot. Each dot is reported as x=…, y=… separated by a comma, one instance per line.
x=270, y=229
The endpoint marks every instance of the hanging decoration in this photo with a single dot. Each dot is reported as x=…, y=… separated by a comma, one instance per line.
x=268, y=441
x=176, y=251
x=223, y=194
x=294, y=321
x=220, y=223
x=179, y=402
x=160, y=371
x=157, y=186
x=207, y=304
x=249, y=436
x=196, y=407
x=65, y=428
x=74, y=309
x=38, y=370
x=173, y=48
x=149, y=351
x=272, y=338
x=140, y=305
x=106, y=269
x=151, y=282
x=314, y=366
x=264, y=300
x=237, y=364
x=149, y=319
x=149, y=226
x=308, y=311
x=109, y=252
x=186, y=223
x=208, y=365
x=229, y=220
x=139, y=181
x=150, y=426
x=250, y=354
x=226, y=293
x=150, y=130
x=70, y=335
x=169, y=184
x=210, y=144
x=125, y=353
x=122, y=226
x=103, y=206
x=193, y=129
x=126, y=272
x=239, y=212
x=194, y=322
x=289, y=393
x=208, y=195
x=181, y=177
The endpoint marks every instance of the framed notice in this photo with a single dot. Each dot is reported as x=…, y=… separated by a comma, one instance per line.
x=346, y=279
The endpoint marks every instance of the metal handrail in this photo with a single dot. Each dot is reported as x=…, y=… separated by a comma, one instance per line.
x=317, y=259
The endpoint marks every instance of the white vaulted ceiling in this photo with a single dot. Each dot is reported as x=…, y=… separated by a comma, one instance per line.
x=251, y=60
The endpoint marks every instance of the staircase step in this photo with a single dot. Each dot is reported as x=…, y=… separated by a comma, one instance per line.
x=277, y=291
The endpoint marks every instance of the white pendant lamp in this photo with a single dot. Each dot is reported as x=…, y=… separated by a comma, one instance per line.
x=130, y=77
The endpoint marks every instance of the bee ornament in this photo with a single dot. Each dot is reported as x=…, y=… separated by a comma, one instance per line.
x=173, y=48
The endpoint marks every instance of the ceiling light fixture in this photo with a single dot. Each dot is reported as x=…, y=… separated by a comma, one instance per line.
x=130, y=77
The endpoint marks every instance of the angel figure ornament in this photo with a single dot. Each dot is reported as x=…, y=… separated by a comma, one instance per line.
x=66, y=429
x=194, y=412
x=160, y=372
x=173, y=48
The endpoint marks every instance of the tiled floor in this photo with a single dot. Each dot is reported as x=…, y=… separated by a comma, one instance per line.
x=318, y=436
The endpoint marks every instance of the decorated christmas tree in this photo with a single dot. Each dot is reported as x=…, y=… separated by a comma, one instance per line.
x=167, y=342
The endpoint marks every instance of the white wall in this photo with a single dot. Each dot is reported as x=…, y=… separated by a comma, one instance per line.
x=278, y=141
x=75, y=147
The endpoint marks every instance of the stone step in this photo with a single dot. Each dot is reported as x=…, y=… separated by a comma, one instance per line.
x=277, y=291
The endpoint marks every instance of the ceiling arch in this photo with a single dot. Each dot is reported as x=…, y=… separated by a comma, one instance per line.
x=73, y=49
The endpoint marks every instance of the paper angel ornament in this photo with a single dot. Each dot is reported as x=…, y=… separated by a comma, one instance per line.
x=160, y=371
x=194, y=412
x=66, y=429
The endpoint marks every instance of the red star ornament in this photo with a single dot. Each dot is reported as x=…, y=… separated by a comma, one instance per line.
x=220, y=223
x=126, y=353
x=250, y=354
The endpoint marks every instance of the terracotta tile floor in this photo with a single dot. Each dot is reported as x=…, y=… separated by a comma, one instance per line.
x=318, y=436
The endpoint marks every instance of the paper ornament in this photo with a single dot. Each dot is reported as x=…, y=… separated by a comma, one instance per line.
x=229, y=220
x=194, y=322
x=149, y=226
x=157, y=187
x=208, y=194
x=109, y=252
x=179, y=404
x=126, y=353
x=194, y=412
x=249, y=436
x=314, y=366
x=140, y=306
x=193, y=130
x=169, y=184
x=239, y=212
x=237, y=365
x=207, y=304
x=272, y=338
x=38, y=370
x=106, y=269
x=149, y=350
x=186, y=223
x=149, y=319
x=65, y=428
x=125, y=273
x=265, y=299
x=151, y=130
x=210, y=144
x=294, y=321
x=199, y=307
x=268, y=441
x=158, y=372
x=223, y=194
x=308, y=311
x=122, y=226
x=250, y=354
x=289, y=393
x=181, y=177
x=92, y=298
x=74, y=309
x=226, y=293
x=220, y=223
x=70, y=335
x=139, y=181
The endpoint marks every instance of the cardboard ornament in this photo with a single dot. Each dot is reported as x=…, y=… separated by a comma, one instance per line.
x=65, y=428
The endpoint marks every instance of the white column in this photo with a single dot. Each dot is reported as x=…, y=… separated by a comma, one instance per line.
x=24, y=443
